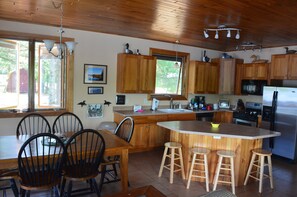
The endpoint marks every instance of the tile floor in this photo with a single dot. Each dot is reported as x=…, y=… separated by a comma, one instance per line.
x=144, y=168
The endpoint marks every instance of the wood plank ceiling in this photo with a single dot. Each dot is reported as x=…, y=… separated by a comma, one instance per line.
x=270, y=23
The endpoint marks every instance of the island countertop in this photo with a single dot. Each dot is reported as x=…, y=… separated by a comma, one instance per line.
x=224, y=130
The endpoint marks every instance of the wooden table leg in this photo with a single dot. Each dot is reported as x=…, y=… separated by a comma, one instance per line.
x=124, y=170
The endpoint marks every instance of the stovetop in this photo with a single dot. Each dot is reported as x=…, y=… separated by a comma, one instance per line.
x=251, y=112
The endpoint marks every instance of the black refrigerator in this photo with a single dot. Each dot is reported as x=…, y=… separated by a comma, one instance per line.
x=280, y=113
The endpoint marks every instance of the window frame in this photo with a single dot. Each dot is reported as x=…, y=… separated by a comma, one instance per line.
x=184, y=85
x=69, y=75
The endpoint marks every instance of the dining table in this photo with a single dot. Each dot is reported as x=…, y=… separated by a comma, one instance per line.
x=114, y=145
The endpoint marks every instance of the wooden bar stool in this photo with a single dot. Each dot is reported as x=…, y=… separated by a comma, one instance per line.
x=172, y=146
x=200, y=161
x=226, y=167
x=259, y=163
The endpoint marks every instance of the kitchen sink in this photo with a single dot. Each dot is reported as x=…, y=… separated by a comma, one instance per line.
x=175, y=110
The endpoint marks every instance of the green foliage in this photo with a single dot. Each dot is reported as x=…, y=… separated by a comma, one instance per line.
x=167, y=77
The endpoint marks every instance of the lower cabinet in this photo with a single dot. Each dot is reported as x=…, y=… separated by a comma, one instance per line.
x=147, y=134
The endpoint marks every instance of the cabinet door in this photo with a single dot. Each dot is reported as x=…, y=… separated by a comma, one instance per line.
x=292, y=67
x=140, y=137
x=261, y=71
x=212, y=73
x=158, y=136
x=128, y=73
x=147, y=75
x=248, y=71
x=227, y=76
x=200, y=77
x=238, y=78
x=279, y=66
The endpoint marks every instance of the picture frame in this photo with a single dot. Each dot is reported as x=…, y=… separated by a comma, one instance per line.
x=95, y=74
x=95, y=110
x=95, y=90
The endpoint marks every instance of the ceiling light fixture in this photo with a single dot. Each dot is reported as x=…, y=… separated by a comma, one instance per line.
x=49, y=44
x=205, y=34
x=229, y=34
x=217, y=35
x=176, y=64
x=222, y=28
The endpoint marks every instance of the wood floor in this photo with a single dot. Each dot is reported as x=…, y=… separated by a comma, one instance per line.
x=144, y=168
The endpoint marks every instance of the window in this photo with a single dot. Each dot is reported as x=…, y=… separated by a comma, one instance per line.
x=171, y=74
x=31, y=79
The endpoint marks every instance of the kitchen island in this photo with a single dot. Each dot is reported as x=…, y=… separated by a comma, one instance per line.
x=238, y=138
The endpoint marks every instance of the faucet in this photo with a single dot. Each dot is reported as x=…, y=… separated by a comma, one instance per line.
x=170, y=102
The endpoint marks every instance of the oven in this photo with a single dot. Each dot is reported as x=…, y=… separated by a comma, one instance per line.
x=249, y=117
x=245, y=122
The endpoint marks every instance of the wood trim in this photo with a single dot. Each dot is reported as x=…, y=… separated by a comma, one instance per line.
x=184, y=91
x=28, y=36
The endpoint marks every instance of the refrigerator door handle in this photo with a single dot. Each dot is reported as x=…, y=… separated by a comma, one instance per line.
x=273, y=110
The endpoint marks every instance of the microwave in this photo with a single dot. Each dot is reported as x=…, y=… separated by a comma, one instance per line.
x=253, y=87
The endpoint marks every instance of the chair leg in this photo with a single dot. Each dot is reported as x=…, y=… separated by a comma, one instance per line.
x=270, y=171
x=163, y=161
x=62, y=186
x=261, y=173
x=23, y=192
x=172, y=164
x=103, y=171
x=181, y=163
x=250, y=169
x=14, y=187
x=69, y=189
x=191, y=171
x=206, y=172
x=115, y=171
x=95, y=187
x=217, y=173
x=232, y=175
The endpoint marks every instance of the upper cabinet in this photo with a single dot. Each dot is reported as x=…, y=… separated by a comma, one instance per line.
x=284, y=66
x=227, y=69
x=136, y=73
x=203, y=78
x=255, y=71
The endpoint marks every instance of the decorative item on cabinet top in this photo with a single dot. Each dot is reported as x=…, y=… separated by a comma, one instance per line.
x=257, y=59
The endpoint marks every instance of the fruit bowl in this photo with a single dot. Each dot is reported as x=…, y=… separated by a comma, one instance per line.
x=215, y=125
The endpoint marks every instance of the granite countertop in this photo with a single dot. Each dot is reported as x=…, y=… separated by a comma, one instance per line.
x=148, y=112
x=224, y=130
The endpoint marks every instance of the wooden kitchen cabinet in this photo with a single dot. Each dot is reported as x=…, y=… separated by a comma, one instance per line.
x=203, y=77
x=136, y=73
x=283, y=66
x=227, y=74
x=255, y=71
x=223, y=116
x=147, y=134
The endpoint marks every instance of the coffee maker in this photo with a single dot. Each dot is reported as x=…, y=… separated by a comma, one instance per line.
x=200, y=100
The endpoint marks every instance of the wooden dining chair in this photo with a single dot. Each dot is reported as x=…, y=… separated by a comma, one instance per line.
x=85, y=151
x=7, y=181
x=32, y=124
x=125, y=131
x=66, y=122
x=45, y=171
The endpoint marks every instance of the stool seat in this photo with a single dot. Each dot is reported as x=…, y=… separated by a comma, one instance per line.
x=200, y=151
x=172, y=146
x=262, y=152
x=259, y=164
x=199, y=161
x=226, y=153
x=226, y=167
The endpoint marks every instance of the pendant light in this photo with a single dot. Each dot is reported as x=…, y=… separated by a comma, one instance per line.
x=176, y=64
x=49, y=44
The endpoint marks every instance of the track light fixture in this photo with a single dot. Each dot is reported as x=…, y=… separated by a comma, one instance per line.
x=249, y=46
x=222, y=28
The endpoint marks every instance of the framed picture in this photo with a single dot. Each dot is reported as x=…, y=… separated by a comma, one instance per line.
x=95, y=110
x=95, y=90
x=95, y=74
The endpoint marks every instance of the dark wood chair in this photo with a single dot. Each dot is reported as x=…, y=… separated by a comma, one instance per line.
x=45, y=171
x=67, y=122
x=7, y=181
x=85, y=151
x=32, y=124
x=109, y=167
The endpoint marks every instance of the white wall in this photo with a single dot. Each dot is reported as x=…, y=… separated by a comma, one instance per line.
x=96, y=48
